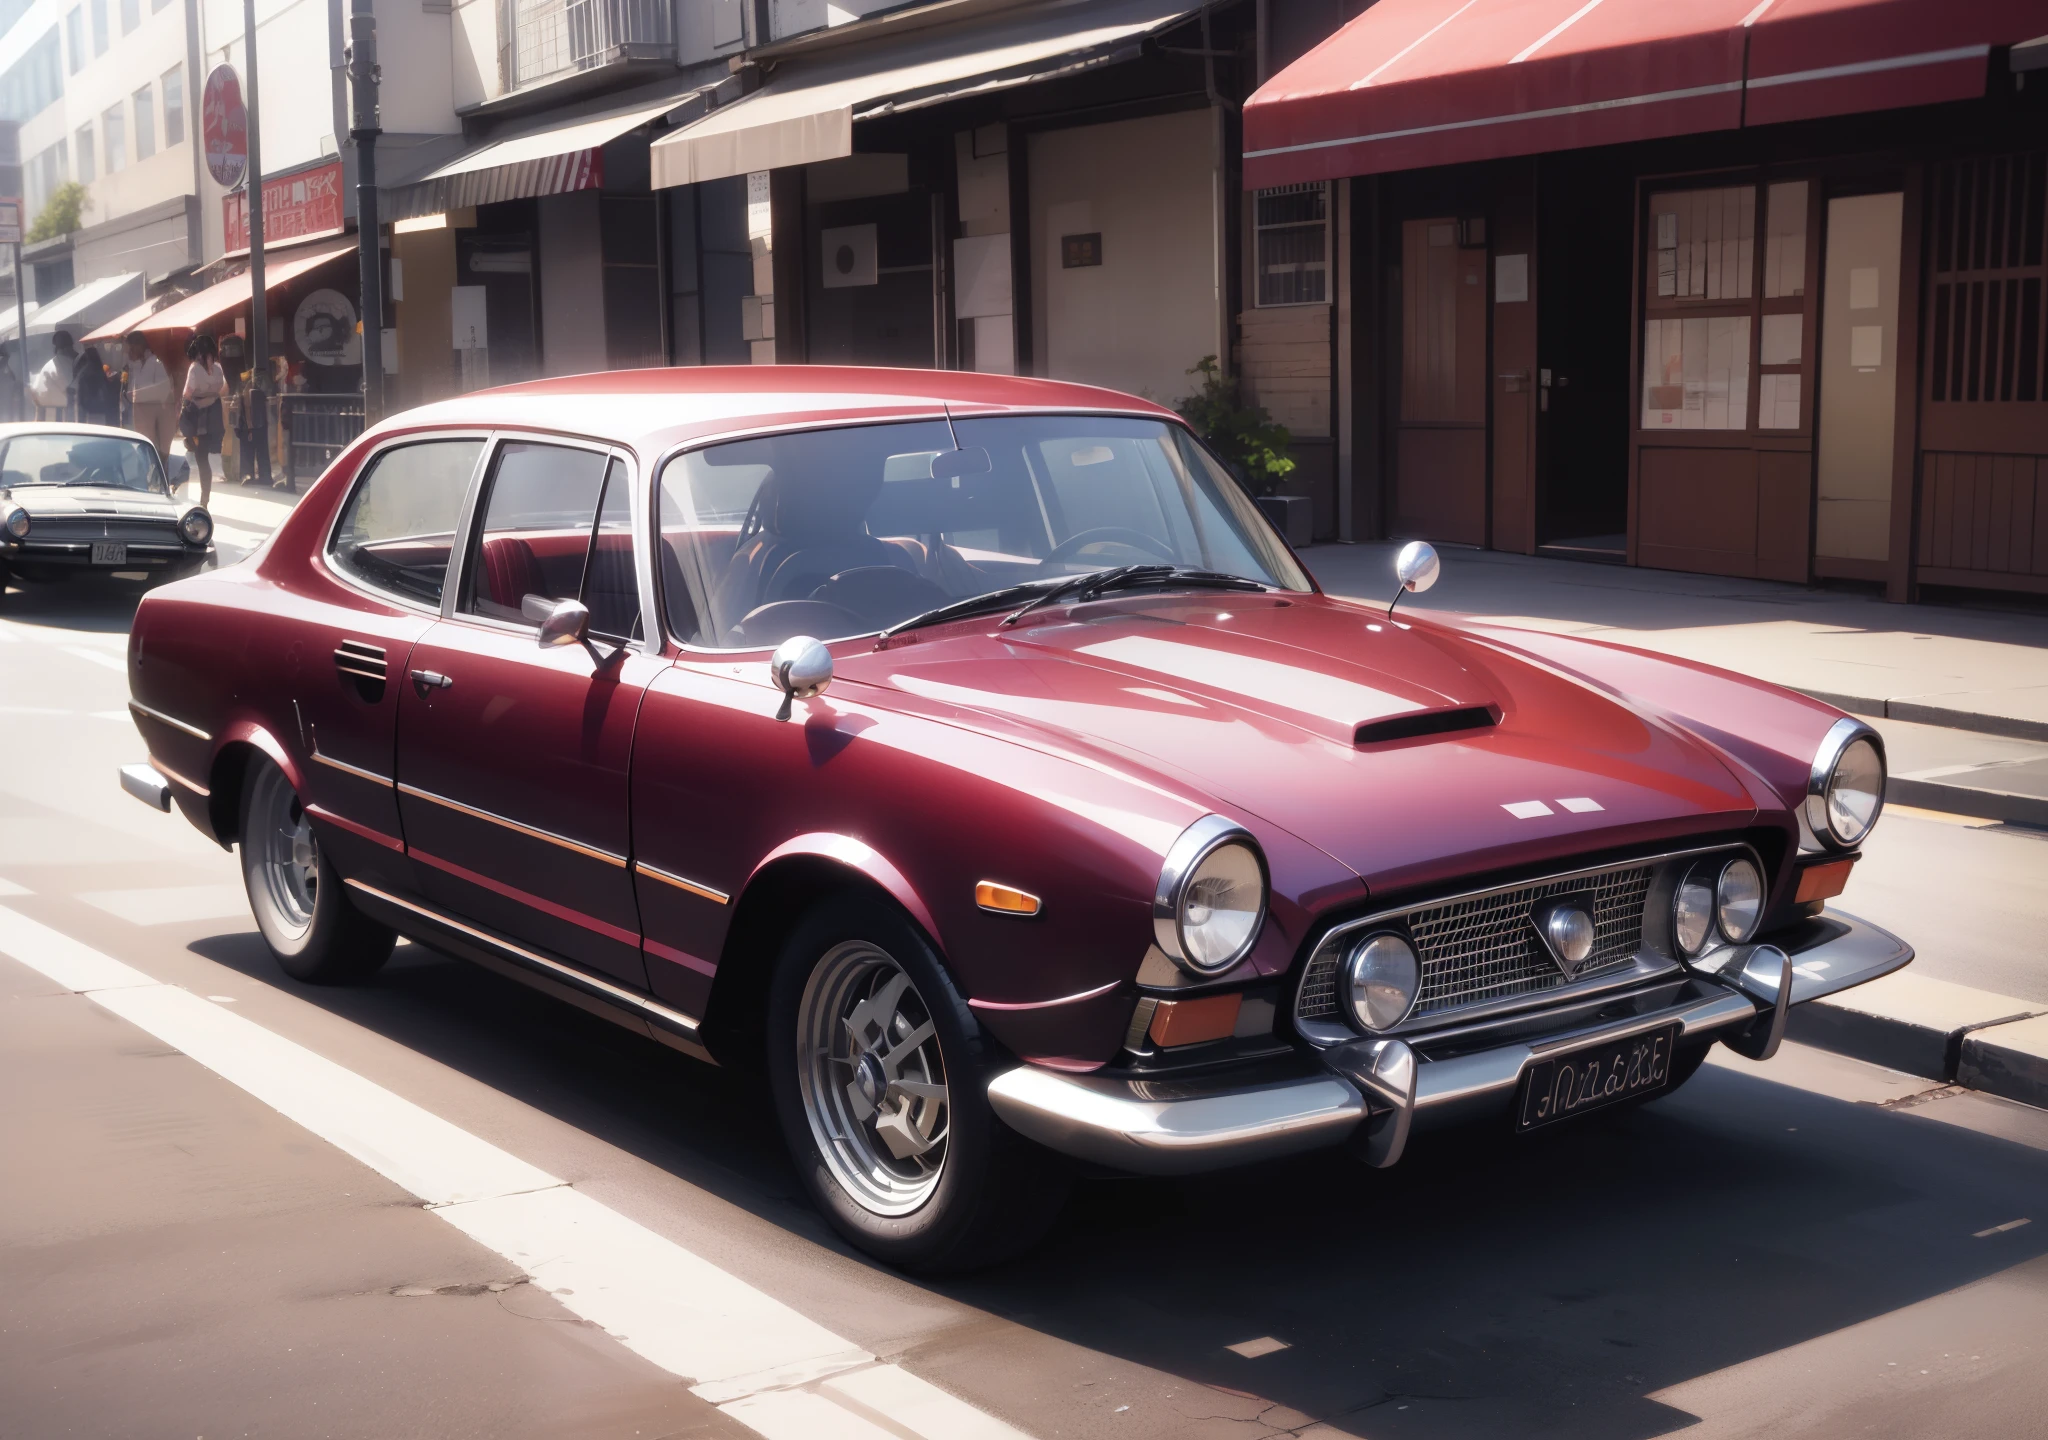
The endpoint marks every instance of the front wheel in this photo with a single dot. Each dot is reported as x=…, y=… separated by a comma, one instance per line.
x=312, y=930
x=878, y=1072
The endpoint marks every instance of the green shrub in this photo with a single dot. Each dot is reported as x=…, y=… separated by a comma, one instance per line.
x=1251, y=441
x=60, y=213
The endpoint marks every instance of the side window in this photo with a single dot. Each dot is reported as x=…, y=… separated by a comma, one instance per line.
x=398, y=529
x=535, y=535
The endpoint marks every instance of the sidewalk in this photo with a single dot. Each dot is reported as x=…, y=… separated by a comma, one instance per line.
x=1967, y=669
x=1960, y=695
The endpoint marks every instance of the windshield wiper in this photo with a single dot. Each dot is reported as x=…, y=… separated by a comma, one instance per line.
x=1084, y=588
x=976, y=604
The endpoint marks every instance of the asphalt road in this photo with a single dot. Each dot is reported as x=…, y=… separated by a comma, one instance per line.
x=1810, y=1247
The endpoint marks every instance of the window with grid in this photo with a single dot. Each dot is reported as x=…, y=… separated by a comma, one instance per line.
x=1291, y=245
x=1724, y=296
x=174, y=106
x=1986, y=341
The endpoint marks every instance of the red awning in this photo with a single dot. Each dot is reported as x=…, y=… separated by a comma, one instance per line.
x=1437, y=82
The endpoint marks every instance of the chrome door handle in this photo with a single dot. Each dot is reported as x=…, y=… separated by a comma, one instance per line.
x=425, y=680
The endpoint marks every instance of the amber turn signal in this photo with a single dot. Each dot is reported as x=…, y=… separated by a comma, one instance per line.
x=1824, y=882
x=1005, y=899
x=1189, y=1022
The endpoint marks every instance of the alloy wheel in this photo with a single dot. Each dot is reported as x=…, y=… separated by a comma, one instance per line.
x=287, y=856
x=872, y=1078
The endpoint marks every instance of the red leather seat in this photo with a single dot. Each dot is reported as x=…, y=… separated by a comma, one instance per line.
x=510, y=571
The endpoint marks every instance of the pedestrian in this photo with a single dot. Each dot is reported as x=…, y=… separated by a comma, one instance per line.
x=14, y=397
x=149, y=395
x=96, y=393
x=201, y=419
x=52, y=385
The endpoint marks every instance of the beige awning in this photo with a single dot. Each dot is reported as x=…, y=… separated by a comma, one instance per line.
x=551, y=158
x=806, y=110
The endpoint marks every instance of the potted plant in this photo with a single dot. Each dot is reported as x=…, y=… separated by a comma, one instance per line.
x=1252, y=443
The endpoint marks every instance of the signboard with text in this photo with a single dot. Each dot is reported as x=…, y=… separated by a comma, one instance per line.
x=224, y=127
x=295, y=207
x=10, y=222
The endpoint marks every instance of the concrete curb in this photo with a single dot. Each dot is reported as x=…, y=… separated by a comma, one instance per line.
x=1968, y=800
x=1936, y=1029
x=2009, y=1060
x=2012, y=727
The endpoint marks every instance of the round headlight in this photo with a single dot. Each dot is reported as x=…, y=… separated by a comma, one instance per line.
x=1211, y=897
x=17, y=523
x=1382, y=976
x=1855, y=792
x=1692, y=911
x=196, y=527
x=1739, y=900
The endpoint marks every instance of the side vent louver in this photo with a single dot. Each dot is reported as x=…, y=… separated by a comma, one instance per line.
x=364, y=665
x=1426, y=722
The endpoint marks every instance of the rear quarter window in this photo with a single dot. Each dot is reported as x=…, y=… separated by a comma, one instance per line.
x=397, y=530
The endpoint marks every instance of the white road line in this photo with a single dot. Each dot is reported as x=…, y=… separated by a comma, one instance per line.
x=100, y=657
x=172, y=905
x=757, y=1359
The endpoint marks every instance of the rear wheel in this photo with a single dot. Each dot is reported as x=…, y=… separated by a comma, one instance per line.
x=878, y=1070
x=307, y=921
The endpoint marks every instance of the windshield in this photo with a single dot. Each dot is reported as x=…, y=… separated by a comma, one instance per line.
x=61, y=459
x=847, y=531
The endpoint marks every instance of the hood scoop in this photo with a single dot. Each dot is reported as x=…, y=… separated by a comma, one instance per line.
x=1417, y=723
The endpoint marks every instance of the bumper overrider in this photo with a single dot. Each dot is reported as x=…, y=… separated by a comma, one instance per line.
x=1374, y=1093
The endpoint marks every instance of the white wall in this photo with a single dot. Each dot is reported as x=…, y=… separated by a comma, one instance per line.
x=1137, y=321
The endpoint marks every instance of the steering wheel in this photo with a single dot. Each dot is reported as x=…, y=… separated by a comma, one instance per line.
x=1073, y=545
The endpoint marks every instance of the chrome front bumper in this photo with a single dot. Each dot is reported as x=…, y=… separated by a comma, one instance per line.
x=1379, y=1091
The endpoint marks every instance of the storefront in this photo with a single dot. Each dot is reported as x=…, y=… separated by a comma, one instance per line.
x=1740, y=288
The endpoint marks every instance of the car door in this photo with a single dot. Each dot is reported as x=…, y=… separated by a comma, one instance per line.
x=350, y=642
x=513, y=758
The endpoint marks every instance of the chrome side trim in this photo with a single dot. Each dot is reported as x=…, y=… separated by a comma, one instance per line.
x=705, y=892
x=179, y=780
x=1048, y=1004
x=356, y=770
x=674, y=1020
x=513, y=825
x=171, y=720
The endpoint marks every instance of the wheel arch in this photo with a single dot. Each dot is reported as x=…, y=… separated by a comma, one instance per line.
x=230, y=768
x=789, y=880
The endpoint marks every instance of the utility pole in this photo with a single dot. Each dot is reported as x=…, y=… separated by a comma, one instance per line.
x=365, y=75
x=259, y=315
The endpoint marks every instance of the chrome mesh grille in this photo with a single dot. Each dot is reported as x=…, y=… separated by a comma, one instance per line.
x=134, y=530
x=1486, y=947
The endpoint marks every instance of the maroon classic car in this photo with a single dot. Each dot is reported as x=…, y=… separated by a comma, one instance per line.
x=1113, y=839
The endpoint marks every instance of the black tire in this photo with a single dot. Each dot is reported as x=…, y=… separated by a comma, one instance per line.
x=992, y=1194
x=295, y=893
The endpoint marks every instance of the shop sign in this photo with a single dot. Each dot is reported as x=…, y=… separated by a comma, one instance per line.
x=295, y=207
x=10, y=222
x=224, y=128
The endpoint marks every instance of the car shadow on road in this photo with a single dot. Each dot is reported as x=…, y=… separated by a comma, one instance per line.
x=88, y=602
x=1488, y=1286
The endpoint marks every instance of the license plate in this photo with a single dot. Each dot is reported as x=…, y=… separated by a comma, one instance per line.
x=1560, y=1086
x=105, y=552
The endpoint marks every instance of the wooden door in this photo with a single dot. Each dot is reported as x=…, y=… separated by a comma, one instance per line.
x=1440, y=437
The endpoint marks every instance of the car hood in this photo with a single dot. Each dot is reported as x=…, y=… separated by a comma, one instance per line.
x=92, y=500
x=1304, y=712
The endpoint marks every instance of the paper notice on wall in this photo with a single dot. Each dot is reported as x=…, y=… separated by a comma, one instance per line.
x=1667, y=230
x=759, y=222
x=981, y=276
x=1667, y=272
x=1866, y=346
x=472, y=330
x=1510, y=278
x=1863, y=288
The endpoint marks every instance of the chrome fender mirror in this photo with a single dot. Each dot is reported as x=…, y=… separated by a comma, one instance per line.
x=562, y=622
x=800, y=667
x=1417, y=568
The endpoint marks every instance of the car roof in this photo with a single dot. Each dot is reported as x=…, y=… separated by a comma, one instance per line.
x=650, y=410
x=11, y=429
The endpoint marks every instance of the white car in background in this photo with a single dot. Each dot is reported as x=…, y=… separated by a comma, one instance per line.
x=92, y=499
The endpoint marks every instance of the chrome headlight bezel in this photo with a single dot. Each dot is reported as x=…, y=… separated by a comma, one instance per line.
x=1820, y=781
x=1697, y=887
x=1348, y=971
x=17, y=523
x=1184, y=859
x=1723, y=904
x=197, y=534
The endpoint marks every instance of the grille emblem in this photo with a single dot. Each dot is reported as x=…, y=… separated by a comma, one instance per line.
x=1568, y=933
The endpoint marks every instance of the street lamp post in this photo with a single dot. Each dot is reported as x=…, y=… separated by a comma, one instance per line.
x=259, y=316
x=364, y=127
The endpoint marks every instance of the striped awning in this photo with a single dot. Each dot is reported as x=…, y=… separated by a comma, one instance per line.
x=552, y=159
